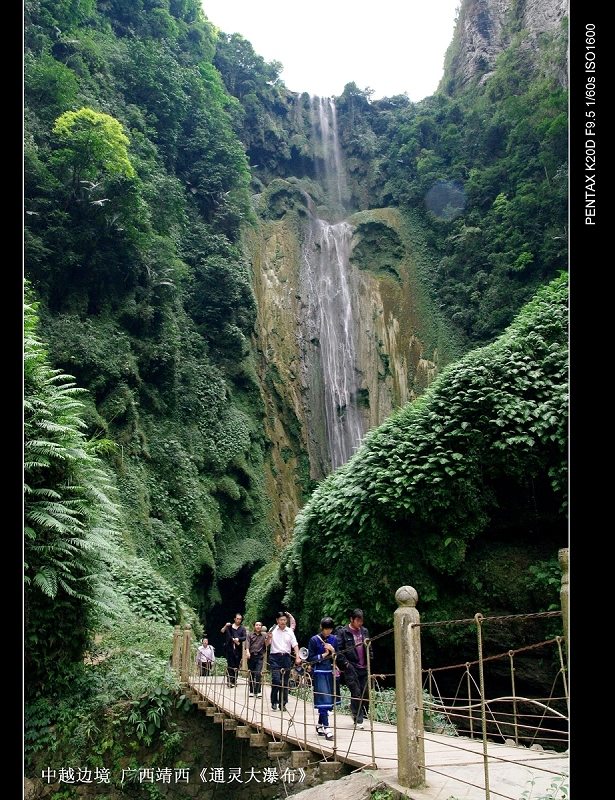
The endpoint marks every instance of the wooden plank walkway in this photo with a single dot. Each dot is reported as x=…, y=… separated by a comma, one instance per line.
x=454, y=765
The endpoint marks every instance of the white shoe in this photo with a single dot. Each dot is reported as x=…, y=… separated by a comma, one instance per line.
x=360, y=726
x=320, y=730
x=328, y=733
x=250, y=694
x=259, y=695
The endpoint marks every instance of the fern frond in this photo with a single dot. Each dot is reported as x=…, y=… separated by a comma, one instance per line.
x=47, y=582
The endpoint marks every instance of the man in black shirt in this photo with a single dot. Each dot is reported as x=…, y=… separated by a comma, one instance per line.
x=234, y=637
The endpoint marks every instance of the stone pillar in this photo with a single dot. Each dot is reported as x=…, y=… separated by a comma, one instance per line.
x=562, y=557
x=409, y=690
x=186, y=657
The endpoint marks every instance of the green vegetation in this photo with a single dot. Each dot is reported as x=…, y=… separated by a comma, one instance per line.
x=145, y=489
x=474, y=468
x=121, y=710
x=70, y=521
x=136, y=188
x=488, y=169
x=96, y=709
x=381, y=793
x=557, y=790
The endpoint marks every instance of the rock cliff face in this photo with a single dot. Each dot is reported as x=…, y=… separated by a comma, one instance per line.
x=484, y=29
x=394, y=362
x=345, y=329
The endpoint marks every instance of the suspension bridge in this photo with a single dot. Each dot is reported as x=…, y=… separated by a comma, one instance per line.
x=454, y=765
x=427, y=746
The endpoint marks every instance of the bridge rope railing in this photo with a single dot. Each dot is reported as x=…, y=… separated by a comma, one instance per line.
x=510, y=716
x=518, y=722
x=381, y=705
x=477, y=716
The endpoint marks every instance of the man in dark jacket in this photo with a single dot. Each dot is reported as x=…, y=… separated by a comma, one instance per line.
x=352, y=655
x=255, y=650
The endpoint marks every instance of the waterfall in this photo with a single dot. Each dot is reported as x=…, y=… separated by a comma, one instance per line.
x=327, y=151
x=331, y=296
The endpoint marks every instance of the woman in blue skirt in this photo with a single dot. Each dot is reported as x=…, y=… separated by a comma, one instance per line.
x=321, y=648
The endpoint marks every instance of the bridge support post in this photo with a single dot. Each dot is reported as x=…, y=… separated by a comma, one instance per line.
x=177, y=650
x=187, y=640
x=562, y=557
x=408, y=690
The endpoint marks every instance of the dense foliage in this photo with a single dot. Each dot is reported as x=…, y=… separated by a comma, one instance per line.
x=136, y=186
x=70, y=520
x=456, y=494
x=84, y=594
x=141, y=122
x=488, y=166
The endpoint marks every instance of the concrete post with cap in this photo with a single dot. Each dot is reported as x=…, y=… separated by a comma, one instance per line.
x=409, y=690
x=563, y=594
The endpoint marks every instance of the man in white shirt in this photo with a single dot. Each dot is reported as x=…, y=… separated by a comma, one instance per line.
x=283, y=642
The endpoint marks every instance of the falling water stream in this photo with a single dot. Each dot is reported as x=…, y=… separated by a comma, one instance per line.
x=332, y=295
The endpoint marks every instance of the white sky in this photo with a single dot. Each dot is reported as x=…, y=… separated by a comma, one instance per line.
x=392, y=46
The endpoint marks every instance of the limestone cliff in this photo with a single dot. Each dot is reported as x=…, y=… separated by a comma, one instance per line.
x=275, y=253
x=399, y=347
x=485, y=28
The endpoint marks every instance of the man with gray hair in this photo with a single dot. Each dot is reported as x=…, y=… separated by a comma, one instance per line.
x=283, y=644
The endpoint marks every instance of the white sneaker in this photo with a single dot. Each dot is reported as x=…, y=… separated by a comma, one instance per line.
x=328, y=733
x=320, y=730
x=259, y=694
x=250, y=694
x=360, y=726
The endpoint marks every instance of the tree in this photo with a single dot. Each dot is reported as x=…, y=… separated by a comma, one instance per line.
x=94, y=145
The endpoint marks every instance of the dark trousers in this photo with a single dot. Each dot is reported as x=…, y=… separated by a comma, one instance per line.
x=280, y=674
x=359, y=695
x=233, y=662
x=205, y=667
x=255, y=665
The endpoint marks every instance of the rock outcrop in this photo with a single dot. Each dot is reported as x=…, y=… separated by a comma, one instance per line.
x=397, y=352
x=485, y=28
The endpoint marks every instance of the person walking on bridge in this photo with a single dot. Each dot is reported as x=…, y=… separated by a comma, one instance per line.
x=283, y=642
x=205, y=657
x=321, y=649
x=352, y=655
x=234, y=637
x=255, y=651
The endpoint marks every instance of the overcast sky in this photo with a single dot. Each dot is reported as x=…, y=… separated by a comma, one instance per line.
x=391, y=46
